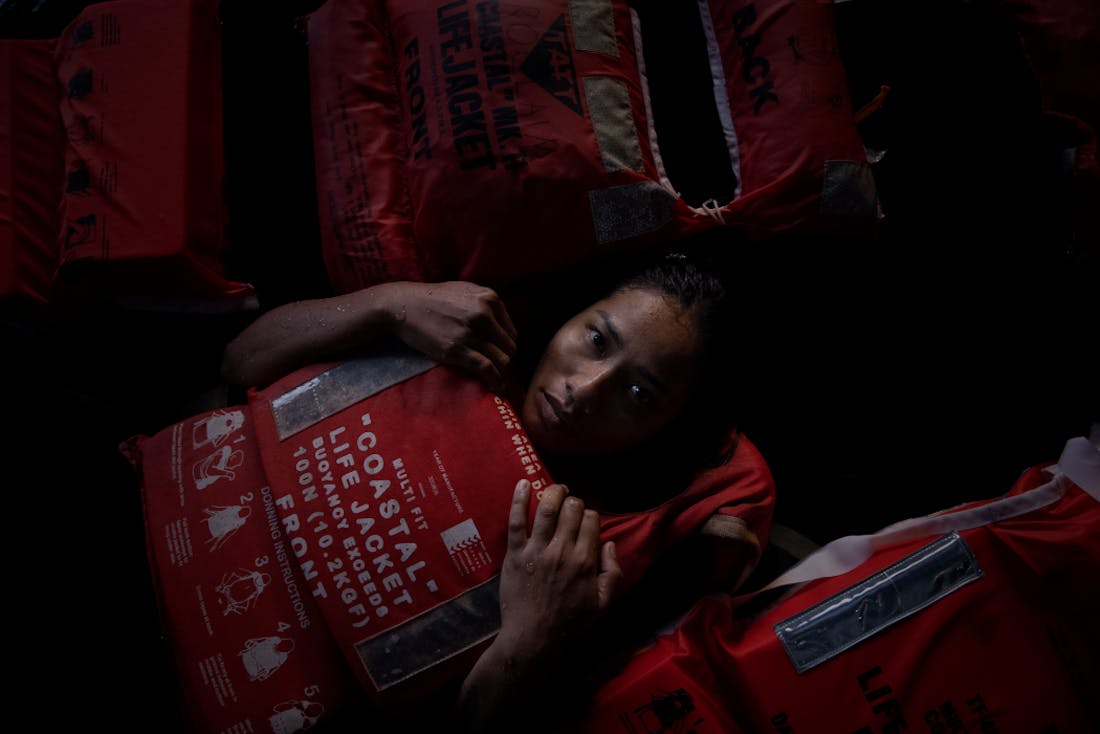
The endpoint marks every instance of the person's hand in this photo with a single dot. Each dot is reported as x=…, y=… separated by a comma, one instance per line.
x=455, y=323
x=556, y=583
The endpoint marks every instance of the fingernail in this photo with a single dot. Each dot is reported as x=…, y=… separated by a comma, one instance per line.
x=522, y=487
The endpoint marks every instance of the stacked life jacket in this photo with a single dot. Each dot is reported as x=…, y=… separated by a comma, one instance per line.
x=112, y=163
x=491, y=141
x=981, y=618
x=343, y=532
x=30, y=171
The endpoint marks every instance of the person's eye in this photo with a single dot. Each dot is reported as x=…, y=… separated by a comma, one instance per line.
x=640, y=395
x=598, y=341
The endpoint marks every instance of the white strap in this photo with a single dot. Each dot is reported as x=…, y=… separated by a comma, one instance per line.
x=845, y=554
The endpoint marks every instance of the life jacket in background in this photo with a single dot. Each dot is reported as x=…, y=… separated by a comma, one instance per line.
x=980, y=618
x=142, y=215
x=345, y=530
x=1059, y=40
x=492, y=142
x=30, y=171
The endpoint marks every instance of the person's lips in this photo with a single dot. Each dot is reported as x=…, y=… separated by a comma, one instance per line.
x=553, y=413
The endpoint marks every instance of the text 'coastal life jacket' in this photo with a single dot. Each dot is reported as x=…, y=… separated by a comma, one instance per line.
x=981, y=618
x=344, y=532
x=491, y=141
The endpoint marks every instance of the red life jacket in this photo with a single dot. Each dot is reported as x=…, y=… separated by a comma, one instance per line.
x=492, y=142
x=980, y=618
x=142, y=215
x=343, y=528
x=30, y=171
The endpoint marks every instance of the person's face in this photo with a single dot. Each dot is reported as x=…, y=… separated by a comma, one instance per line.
x=613, y=376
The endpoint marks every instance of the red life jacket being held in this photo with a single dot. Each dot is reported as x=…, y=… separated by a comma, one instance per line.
x=345, y=529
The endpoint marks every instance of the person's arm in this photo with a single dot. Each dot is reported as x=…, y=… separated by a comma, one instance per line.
x=456, y=323
x=555, y=584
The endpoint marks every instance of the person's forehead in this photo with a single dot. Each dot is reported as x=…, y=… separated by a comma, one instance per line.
x=650, y=320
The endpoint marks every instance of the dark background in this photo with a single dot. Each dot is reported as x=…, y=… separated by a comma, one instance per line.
x=887, y=378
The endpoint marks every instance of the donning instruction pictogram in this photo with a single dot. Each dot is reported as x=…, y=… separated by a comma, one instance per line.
x=78, y=179
x=219, y=465
x=214, y=429
x=239, y=589
x=82, y=129
x=291, y=717
x=80, y=84
x=262, y=656
x=83, y=32
x=80, y=231
x=223, y=522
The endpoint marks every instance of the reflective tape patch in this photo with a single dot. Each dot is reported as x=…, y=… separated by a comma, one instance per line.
x=344, y=385
x=865, y=609
x=626, y=211
x=432, y=637
x=593, y=25
x=613, y=121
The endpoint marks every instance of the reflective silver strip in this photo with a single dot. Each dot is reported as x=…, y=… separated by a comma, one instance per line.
x=849, y=189
x=344, y=385
x=865, y=609
x=620, y=212
x=721, y=98
x=1080, y=462
x=432, y=637
x=651, y=127
x=593, y=23
x=612, y=118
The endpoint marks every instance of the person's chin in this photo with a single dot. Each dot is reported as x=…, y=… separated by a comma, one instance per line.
x=546, y=440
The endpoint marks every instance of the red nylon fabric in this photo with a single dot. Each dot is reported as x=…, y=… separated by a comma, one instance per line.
x=741, y=487
x=30, y=170
x=1013, y=651
x=142, y=82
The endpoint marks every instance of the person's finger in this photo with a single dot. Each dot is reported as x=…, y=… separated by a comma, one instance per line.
x=503, y=317
x=477, y=364
x=610, y=574
x=588, y=535
x=546, y=516
x=497, y=356
x=517, y=516
x=493, y=331
x=569, y=521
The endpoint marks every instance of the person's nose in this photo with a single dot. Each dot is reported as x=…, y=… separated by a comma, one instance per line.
x=588, y=388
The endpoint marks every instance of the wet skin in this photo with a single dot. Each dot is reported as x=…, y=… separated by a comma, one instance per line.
x=613, y=376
